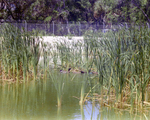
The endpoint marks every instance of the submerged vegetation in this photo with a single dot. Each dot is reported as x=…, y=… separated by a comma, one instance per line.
x=119, y=61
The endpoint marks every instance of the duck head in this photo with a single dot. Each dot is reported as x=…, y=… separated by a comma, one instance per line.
x=63, y=71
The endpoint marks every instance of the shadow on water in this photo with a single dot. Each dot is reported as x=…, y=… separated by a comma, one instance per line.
x=38, y=100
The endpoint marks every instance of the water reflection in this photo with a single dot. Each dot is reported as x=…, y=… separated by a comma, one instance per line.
x=38, y=100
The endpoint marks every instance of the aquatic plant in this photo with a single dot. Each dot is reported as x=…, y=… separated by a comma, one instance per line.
x=122, y=62
x=120, y=58
x=59, y=86
x=69, y=53
x=81, y=102
x=20, y=52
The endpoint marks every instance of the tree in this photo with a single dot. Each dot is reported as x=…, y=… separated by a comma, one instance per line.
x=133, y=10
x=15, y=9
x=89, y=11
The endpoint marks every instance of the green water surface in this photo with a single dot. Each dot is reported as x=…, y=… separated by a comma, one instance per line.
x=37, y=100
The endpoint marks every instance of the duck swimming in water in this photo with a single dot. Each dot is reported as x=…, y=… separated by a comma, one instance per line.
x=89, y=72
x=82, y=72
x=63, y=71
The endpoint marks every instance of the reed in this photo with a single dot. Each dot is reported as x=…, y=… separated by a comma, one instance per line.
x=82, y=101
x=20, y=52
x=120, y=58
x=122, y=61
x=59, y=86
x=68, y=53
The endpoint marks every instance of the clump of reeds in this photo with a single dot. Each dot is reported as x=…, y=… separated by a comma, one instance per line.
x=68, y=53
x=59, y=86
x=122, y=61
x=20, y=52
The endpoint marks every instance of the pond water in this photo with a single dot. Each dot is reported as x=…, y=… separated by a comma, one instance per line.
x=38, y=101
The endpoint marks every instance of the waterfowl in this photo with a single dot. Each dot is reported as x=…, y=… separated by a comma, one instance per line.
x=82, y=72
x=76, y=72
x=89, y=72
x=63, y=71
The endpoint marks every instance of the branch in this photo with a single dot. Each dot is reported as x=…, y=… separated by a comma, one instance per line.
x=138, y=6
x=27, y=6
x=9, y=10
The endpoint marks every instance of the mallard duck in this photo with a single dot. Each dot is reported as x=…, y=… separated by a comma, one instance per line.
x=82, y=72
x=63, y=71
x=89, y=72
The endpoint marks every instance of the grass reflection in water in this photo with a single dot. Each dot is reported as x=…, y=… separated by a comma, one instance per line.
x=38, y=100
x=120, y=59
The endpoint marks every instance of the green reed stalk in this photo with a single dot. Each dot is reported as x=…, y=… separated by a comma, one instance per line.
x=20, y=52
x=121, y=59
x=81, y=102
x=82, y=112
x=55, y=58
x=59, y=85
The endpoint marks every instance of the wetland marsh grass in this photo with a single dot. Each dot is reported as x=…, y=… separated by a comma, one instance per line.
x=120, y=59
x=20, y=53
x=59, y=86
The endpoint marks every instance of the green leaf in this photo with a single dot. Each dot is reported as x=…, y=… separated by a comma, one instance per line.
x=47, y=19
